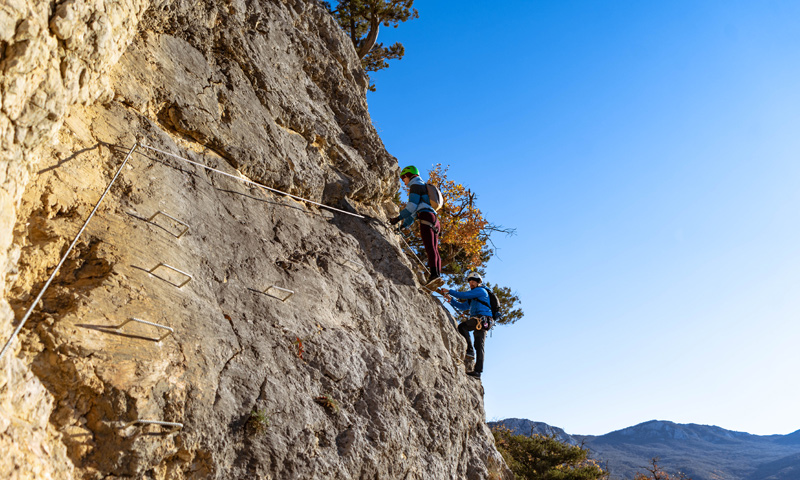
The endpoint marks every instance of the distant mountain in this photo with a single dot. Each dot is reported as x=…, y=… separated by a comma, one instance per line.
x=527, y=427
x=786, y=468
x=702, y=452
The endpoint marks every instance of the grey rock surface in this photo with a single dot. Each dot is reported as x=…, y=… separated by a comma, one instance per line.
x=356, y=375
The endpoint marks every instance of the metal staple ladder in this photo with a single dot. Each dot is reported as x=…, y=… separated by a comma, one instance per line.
x=170, y=330
x=274, y=291
x=162, y=264
x=182, y=224
x=176, y=425
x=352, y=265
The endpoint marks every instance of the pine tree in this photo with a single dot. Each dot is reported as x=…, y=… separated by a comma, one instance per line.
x=362, y=19
x=539, y=457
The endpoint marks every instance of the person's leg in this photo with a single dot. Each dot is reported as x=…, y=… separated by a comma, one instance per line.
x=480, y=338
x=437, y=260
x=464, y=330
x=430, y=239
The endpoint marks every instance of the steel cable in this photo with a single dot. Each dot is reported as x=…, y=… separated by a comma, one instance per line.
x=250, y=181
x=66, y=254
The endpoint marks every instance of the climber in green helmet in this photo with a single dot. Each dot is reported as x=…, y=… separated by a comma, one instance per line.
x=409, y=170
x=419, y=206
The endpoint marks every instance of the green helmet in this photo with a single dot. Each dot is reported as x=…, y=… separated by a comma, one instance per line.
x=411, y=169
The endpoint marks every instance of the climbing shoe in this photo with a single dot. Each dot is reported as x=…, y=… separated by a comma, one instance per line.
x=469, y=355
x=475, y=374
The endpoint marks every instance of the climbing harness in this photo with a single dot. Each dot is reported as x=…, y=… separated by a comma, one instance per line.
x=430, y=224
x=482, y=322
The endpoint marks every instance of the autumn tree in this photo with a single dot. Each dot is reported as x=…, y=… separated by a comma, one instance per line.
x=465, y=240
x=539, y=457
x=654, y=472
x=362, y=19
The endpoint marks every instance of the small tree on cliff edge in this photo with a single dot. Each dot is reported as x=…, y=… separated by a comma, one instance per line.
x=362, y=19
x=654, y=472
x=538, y=457
x=465, y=240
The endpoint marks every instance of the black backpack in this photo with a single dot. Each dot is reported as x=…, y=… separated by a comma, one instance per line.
x=494, y=305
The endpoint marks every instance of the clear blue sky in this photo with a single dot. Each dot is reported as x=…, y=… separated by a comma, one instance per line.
x=647, y=154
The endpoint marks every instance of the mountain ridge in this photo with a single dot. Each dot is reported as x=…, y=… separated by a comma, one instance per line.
x=702, y=452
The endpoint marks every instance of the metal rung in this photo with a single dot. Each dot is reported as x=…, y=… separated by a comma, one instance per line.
x=133, y=319
x=279, y=293
x=186, y=229
x=188, y=279
x=154, y=422
x=354, y=266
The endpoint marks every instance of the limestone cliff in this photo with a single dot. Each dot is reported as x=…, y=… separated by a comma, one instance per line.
x=356, y=375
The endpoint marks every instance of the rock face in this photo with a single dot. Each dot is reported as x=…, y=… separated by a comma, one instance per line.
x=356, y=375
x=52, y=58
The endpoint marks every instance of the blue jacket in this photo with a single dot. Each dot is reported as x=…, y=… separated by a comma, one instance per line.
x=418, y=201
x=475, y=308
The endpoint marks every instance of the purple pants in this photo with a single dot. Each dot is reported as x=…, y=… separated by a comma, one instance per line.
x=430, y=238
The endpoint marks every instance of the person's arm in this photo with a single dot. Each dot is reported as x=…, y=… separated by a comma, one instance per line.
x=414, y=198
x=469, y=294
x=462, y=306
x=455, y=294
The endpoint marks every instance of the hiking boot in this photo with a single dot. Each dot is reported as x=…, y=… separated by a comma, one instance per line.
x=434, y=282
x=475, y=374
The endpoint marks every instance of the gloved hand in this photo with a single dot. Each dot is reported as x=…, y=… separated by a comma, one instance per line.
x=395, y=220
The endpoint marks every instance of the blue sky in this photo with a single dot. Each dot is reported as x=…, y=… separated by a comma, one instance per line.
x=647, y=154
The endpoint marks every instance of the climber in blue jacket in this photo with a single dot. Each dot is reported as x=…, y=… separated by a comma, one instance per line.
x=478, y=304
x=419, y=206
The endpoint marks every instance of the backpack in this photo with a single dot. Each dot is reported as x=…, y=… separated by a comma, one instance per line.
x=435, y=196
x=494, y=305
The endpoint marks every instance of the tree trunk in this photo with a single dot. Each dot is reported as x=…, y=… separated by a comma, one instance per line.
x=353, y=30
x=372, y=36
